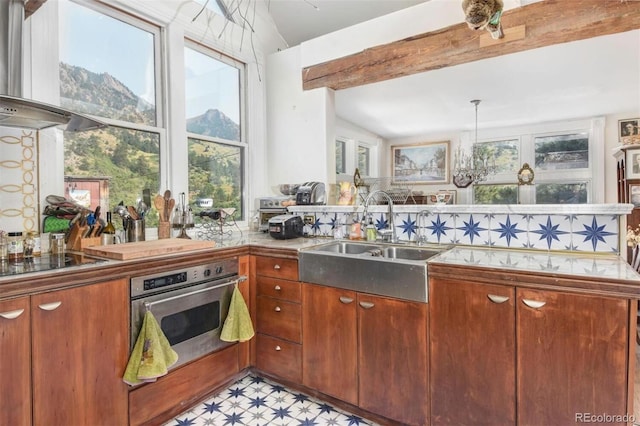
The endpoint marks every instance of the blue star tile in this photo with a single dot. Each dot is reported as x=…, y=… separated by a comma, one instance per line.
x=594, y=233
x=233, y=418
x=408, y=226
x=281, y=413
x=549, y=232
x=508, y=231
x=439, y=228
x=185, y=422
x=471, y=229
x=212, y=408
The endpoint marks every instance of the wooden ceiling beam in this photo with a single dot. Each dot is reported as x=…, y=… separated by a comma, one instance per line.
x=529, y=27
x=30, y=7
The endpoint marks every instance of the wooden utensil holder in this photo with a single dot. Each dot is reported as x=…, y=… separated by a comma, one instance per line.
x=164, y=230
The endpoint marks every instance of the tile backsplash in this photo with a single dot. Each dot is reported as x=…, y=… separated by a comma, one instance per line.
x=591, y=228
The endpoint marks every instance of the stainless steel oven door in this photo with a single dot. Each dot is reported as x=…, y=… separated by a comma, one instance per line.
x=191, y=318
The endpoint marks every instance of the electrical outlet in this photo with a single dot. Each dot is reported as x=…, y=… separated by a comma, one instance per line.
x=309, y=219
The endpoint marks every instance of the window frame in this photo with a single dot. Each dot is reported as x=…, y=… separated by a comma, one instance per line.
x=594, y=127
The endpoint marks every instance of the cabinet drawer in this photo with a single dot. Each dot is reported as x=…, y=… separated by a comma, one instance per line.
x=280, y=289
x=279, y=357
x=277, y=267
x=279, y=318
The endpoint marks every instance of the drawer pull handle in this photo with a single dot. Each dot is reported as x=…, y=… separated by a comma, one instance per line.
x=277, y=309
x=277, y=288
x=497, y=299
x=278, y=348
x=50, y=306
x=367, y=305
x=346, y=300
x=276, y=267
x=12, y=314
x=533, y=303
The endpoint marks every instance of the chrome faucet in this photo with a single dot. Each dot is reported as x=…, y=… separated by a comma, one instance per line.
x=384, y=232
x=421, y=239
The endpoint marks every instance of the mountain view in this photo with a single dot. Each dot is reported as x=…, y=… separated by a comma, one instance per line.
x=129, y=159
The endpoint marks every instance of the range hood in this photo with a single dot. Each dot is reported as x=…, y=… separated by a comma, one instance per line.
x=29, y=114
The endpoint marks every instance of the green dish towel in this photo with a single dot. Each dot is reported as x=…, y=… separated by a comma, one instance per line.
x=152, y=354
x=237, y=327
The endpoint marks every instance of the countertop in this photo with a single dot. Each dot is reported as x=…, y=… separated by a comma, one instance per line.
x=609, y=268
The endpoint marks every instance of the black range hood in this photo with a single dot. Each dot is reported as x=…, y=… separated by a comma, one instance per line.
x=29, y=114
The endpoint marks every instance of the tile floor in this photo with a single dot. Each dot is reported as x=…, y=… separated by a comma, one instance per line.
x=256, y=401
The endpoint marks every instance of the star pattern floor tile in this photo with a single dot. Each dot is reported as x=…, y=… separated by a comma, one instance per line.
x=256, y=401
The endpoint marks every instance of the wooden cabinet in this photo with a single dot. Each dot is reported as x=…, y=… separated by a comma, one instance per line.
x=278, y=318
x=330, y=339
x=370, y=351
x=572, y=356
x=472, y=355
x=545, y=355
x=62, y=356
x=80, y=345
x=15, y=362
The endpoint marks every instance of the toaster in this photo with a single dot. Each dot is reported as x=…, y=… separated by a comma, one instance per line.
x=310, y=193
x=285, y=226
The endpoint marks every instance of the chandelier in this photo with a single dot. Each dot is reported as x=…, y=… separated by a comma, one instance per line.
x=474, y=167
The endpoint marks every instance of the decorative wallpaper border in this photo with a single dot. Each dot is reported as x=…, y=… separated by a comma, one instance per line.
x=555, y=230
x=19, y=180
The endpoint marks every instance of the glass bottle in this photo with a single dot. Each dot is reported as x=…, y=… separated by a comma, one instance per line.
x=372, y=233
x=109, y=231
x=29, y=244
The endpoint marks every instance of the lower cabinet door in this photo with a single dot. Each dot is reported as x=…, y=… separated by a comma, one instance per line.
x=15, y=362
x=572, y=357
x=329, y=339
x=472, y=339
x=392, y=358
x=80, y=346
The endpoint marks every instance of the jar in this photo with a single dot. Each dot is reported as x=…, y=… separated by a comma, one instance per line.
x=28, y=245
x=57, y=244
x=15, y=249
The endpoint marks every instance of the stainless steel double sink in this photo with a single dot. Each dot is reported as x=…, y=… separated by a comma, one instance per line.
x=379, y=268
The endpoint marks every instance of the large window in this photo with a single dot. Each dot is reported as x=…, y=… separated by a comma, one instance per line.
x=108, y=68
x=564, y=159
x=352, y=154
x=214, y=97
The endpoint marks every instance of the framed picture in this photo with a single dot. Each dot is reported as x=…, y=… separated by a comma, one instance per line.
x=632, y=166
x=634, y=194
x=629, y=131
x=421, y=164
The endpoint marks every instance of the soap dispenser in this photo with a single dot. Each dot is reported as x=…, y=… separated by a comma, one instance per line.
x=372, y=233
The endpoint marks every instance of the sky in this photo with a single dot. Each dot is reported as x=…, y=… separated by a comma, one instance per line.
x=101, y=44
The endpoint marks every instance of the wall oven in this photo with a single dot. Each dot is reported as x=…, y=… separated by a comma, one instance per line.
x=189, y=303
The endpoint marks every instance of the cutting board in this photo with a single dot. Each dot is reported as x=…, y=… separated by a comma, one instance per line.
x=140, y=249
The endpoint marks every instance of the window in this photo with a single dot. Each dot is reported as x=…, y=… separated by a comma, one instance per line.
x=214, y=93
x=364, y=161
x=352, y=154
x=563, y=157
x=108, y=69
x=341, y=160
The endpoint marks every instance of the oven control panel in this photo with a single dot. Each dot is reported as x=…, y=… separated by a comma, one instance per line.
x=164, y=281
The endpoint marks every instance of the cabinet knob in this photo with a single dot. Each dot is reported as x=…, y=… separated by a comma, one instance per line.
x=277, y=309
x=50, y=306
x=497, y=299
x=277, y=288
x=367, y=305
x=346, y=300
x=535, y=304
x=278, y=348
x=11, y=314
x=276, y=267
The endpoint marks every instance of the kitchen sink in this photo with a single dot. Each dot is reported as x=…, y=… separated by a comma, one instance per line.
x=379, y=268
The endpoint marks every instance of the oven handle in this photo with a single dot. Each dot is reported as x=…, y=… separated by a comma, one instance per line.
x=241, y=278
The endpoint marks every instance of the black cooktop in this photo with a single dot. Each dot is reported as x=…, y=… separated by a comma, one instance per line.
x=45, y=263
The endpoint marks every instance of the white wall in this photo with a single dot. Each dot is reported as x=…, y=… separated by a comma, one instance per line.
x=300, y=124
